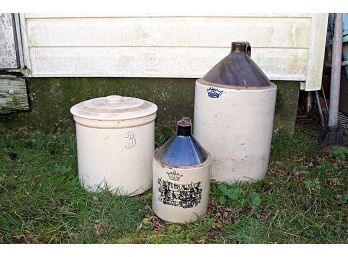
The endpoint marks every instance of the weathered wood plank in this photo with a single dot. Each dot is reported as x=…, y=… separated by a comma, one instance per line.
x=170, y=32
x=25, y=44
x=8, y=58
x=181, y=62
x=316, y=52
x=13, y=94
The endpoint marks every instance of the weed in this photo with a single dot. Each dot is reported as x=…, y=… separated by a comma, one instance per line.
x=255, y=199
x=237, y=196
x=344, y=198
x=229, y=194
x=63, y=168
x=339, y=152
x=312, y=185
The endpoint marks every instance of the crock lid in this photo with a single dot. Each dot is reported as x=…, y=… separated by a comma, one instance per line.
x=113, y=107
x=238, y=69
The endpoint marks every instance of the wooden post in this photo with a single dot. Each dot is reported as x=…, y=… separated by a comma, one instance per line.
x=335, y=71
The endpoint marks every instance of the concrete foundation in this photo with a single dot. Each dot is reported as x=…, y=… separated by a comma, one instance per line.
x=51, y=98
x=286, y=105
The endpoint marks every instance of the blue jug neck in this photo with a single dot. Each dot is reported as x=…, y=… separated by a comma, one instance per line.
x=183, y=149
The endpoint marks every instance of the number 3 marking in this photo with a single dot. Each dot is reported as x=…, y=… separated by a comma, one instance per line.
x=131, y=140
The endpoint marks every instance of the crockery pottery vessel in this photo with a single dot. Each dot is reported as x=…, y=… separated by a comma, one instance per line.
x=181, y=177
x=115, y=143
x=233, y=116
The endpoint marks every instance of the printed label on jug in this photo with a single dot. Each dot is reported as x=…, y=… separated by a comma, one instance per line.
x=131, y=141
x=213, y=92
x=173, y=175
x=181, y=195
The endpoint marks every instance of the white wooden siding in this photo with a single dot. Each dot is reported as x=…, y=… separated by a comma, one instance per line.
x=157, y=61
x=168, y=32
x=286, y=46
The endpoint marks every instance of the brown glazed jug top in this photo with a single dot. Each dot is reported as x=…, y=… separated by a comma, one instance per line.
x=238, y=69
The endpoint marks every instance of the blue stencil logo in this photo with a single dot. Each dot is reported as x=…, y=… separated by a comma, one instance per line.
x=214, y=92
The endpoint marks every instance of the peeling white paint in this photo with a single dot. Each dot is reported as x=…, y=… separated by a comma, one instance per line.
x=8, y=58
x=285, y=46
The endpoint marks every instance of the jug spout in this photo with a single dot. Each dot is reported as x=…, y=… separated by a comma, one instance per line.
x=184, y=127
x=242, y=46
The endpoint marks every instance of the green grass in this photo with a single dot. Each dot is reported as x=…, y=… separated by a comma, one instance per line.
x=303, y=199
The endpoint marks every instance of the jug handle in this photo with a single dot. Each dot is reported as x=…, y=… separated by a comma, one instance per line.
x=248, y=48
